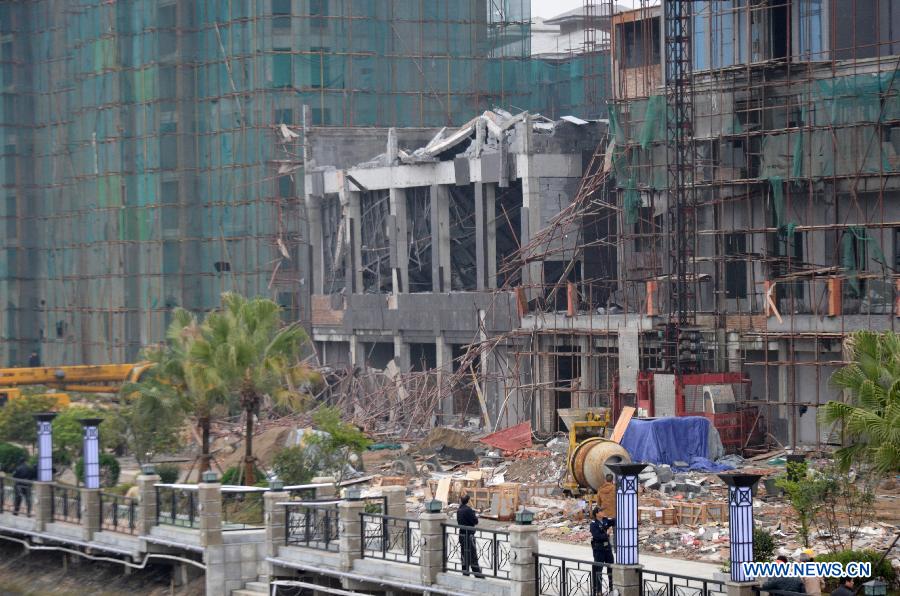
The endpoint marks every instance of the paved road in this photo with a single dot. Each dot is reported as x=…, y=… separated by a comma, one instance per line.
x=650, y=562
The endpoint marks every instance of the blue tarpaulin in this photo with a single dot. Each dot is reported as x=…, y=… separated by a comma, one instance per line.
x=667, y=440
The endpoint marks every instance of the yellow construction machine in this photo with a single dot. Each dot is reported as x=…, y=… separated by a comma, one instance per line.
x=590, y=450
x=99, y=378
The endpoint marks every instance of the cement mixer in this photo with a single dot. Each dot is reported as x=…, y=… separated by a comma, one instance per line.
x=589, y=453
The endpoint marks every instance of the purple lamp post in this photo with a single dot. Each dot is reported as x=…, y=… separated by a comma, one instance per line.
x=740, y=521
x=627, y=511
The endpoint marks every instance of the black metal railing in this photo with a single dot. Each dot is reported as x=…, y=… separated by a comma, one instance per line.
x=243, y=508
x=313, y=525
x=390, y=538
x=176, y=505
x=118, y=513
x=65, y=504
x=656, y=583
x=16, y=496
x=759, y=591
x=479, y=552
x=561, y=576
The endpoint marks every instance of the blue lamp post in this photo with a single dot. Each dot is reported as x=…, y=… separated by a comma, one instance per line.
x=627, y=511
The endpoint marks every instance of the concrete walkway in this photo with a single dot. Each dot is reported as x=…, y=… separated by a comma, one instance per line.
x=650, y=562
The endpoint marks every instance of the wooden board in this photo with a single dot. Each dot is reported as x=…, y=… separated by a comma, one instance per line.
x=622, y=423
x=442, y=493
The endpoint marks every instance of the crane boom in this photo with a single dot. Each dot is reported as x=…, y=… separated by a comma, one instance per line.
x=88, y=378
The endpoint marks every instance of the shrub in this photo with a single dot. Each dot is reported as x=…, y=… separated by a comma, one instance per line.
x=763, y=545
x=168, y=473
x=885, y=570
x=11, y=456
x=295, y=465
x=109, y=470
x=17, y=417
x=232, y=474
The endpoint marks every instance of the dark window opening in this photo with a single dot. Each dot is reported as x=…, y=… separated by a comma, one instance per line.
x=378, y=354
x=508, y=222
x=374, y=241
x=735, y=266
x=282, y=76
x=567, y=381
x=318, y=10
x=318, y=68
x=780, y=28
x=463, y=264
x=281, y=14
x=285, y=116
x=285, y=187
x=418, y=239
x=422, y=356
x=640, y=43
x=222, y=266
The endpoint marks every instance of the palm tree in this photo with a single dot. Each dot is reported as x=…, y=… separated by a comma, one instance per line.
x=871, y=416
x=176, y=381
x=244, y=346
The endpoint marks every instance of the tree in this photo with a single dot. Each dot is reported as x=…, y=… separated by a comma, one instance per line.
x=176, y=384
x=847, y=504
x=244, y=347
x=804, y=492
x=871, y=414
x=17, y=417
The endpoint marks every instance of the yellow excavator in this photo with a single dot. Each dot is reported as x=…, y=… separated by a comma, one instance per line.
x=88, y=378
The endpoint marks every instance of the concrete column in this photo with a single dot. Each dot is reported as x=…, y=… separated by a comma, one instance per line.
x=354, y=243
x=399, y=246
x=325, y=492
x=90, y=512
x=276, y=533
x=41, y=503
x=401, y=354
x=523, y=545
x=350, y=531
x=480, y=241
x=440, y=238
x=531, y=204
x=316, y=243
x=627, y=579
x=209, y=508
x=396, y=500
x=357, y=352
x=490, y=234
x=444, y=356
x=431, y=552
x=148, y=505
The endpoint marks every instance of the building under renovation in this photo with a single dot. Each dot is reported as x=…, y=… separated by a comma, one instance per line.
x=144, y=160
x=707, y=252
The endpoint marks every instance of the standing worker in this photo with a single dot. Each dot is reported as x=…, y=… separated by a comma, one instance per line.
x=813, y=585
x=466, y=517
x=34, y=360
x=23, y=489
x=600, y=545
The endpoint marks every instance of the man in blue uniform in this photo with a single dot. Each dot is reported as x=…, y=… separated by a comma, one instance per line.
x=602, y=547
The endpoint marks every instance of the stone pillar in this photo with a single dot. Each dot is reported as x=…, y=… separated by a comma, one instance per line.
x=209, y=508
x=396, y=500
x=323, y=493
x=90, y=512
x=350, y=532
x=523, y=545
x=740, y=521
x=146, y=483
x=431, y=552
x=275, y=516
x=739, y=588
x=41, y=503
x=401, y=354
x=627, y=579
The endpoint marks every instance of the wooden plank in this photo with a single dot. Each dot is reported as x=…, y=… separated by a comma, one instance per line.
x=622, y=423
x=442, y=493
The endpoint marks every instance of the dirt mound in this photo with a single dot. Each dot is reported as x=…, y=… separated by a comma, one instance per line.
x=446, y=437
x=547, y=468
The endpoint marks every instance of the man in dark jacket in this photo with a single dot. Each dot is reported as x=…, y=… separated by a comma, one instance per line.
x=784, y=584
x=845, y=588
x=601, y=547
x=466, y=517
x=23, y=489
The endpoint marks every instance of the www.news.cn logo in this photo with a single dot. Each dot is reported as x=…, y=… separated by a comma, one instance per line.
x=810, y=569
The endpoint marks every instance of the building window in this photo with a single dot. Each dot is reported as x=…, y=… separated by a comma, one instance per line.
x=735, y=265
x=169, y=206
x=318, y=68
x=318, y=10
x=281, y=68
x=285, y=187
x=636, y=49
x=646, y=230
x=166, y=35
x=285, y=116
x=811, y=20
x=11, y=218
x=281, y=14
x=168, y=146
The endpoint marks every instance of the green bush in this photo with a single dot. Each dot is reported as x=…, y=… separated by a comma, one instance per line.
x=168, y=473
x=17, y=417
x=884, y=571
x=295, y=465
x=232, y=474
x=11, y=456
x=763, y=545
x=109, y=470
